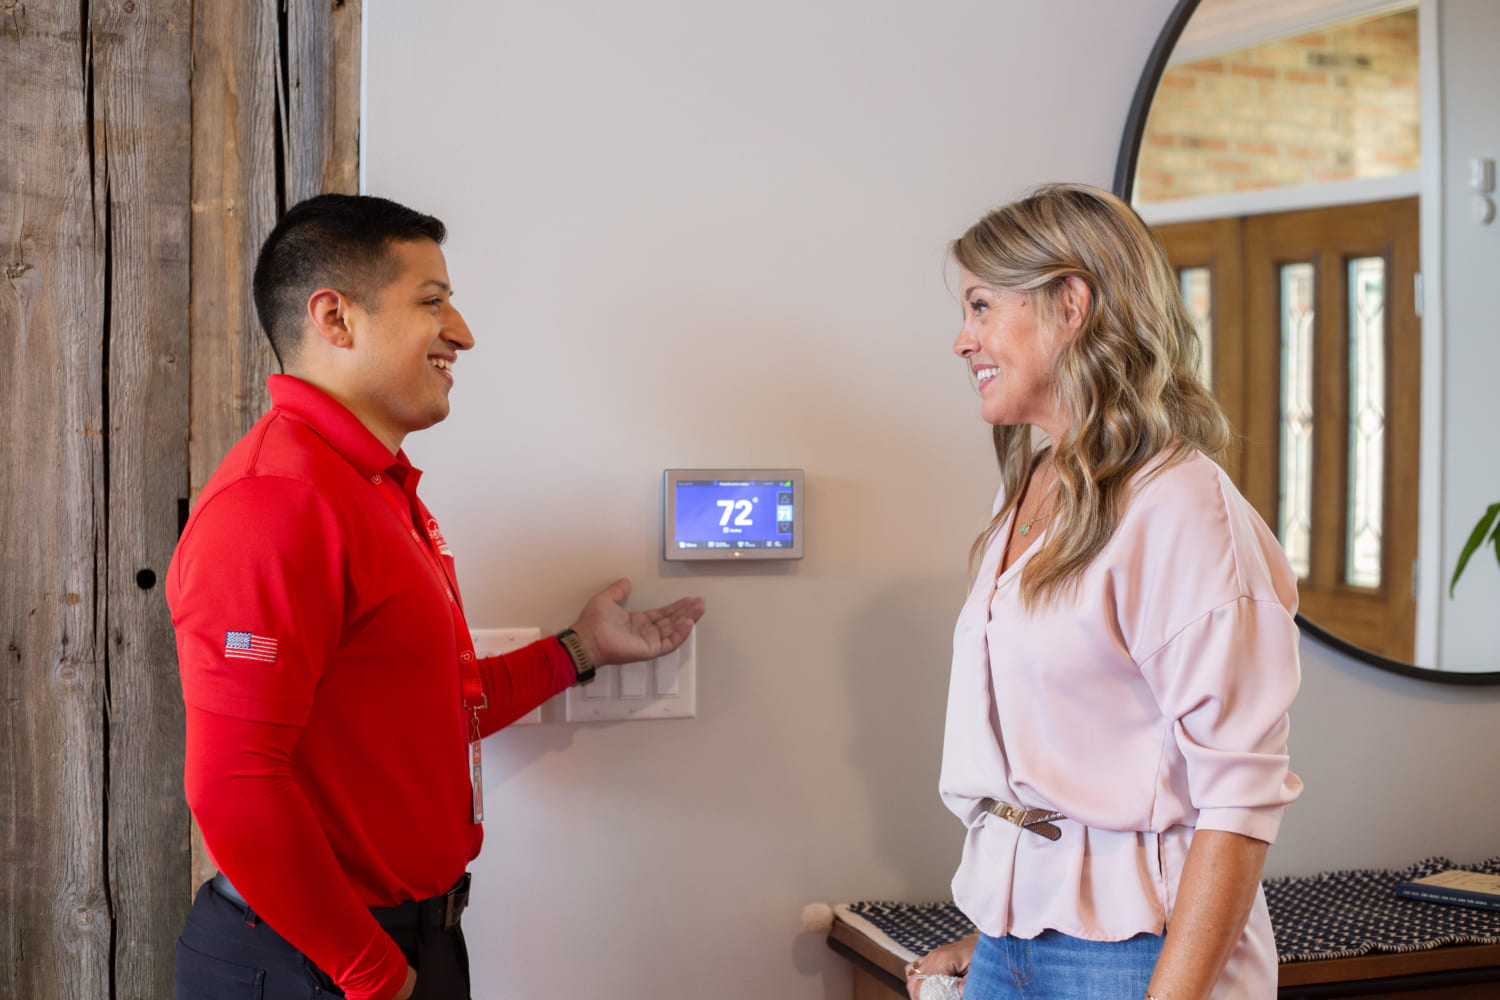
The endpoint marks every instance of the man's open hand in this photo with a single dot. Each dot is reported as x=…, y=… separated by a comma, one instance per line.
x=611, y=634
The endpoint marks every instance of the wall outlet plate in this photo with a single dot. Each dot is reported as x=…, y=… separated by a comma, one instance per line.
x=495, y=641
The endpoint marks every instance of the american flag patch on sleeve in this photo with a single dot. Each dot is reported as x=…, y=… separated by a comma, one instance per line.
x=249, y=646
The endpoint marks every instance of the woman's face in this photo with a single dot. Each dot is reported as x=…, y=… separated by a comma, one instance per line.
x=1013, y=355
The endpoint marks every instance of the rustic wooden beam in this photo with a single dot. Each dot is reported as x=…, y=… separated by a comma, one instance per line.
x=257, y=146
x=234, y=195
x=56, y=929
x=234, y=201
x=322, y=59
x=252, y=157
x=146, y=159
x=142, y=61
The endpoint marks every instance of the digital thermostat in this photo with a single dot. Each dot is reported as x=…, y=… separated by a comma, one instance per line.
x=732, y=514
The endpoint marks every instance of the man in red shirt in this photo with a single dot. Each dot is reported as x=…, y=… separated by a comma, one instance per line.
x=334, y=700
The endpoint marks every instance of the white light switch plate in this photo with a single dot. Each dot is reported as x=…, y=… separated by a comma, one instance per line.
x=663, y=688
x=494, y=641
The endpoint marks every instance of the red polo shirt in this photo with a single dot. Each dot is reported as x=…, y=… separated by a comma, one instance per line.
x=319, y=629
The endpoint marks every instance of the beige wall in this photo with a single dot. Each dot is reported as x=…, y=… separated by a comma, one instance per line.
x=694, y=234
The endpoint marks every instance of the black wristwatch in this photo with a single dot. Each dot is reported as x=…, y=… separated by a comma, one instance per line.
x=581, y=662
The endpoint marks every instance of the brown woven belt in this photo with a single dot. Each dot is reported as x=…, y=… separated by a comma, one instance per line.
x=1038, y=821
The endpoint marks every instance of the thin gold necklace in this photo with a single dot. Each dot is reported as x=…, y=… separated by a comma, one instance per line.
x=1026, y=528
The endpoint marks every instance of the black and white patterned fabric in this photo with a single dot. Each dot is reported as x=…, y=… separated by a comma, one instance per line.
x=917, y=927
x=1349, y=913
x=1332, y=915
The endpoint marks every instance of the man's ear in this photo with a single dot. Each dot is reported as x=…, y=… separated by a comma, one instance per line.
x=1073, y=303
x=328, y=311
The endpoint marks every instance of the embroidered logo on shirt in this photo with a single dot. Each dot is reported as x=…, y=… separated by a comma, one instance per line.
x=249, y=646
x=436, y=535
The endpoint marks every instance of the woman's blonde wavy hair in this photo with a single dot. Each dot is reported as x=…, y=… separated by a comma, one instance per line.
x=1128, y=381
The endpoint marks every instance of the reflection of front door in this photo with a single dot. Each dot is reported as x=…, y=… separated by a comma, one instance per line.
x=1315, y=355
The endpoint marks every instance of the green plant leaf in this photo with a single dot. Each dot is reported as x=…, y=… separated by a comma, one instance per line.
x=1476, y=539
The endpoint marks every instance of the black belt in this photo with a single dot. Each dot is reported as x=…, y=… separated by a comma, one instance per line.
x=442, y=912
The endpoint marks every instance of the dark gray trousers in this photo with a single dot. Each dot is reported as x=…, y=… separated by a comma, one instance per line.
x=226, y=952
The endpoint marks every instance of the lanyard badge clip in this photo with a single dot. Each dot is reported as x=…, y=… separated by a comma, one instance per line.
x=475, y=701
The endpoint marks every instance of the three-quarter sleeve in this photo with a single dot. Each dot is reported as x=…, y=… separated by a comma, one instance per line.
x=1226, y=682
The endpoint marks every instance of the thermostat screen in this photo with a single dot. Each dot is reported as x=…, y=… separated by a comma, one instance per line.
x=732, y=514
x=735, y=513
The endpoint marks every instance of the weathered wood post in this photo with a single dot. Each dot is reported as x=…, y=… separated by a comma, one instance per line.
x=146, y=148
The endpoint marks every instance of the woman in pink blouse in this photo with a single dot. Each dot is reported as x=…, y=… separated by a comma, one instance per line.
x=1116, y=742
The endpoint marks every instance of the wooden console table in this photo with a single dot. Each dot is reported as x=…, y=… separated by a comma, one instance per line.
x=1457, y=972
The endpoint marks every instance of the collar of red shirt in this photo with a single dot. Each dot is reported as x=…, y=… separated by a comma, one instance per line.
x=335, y=424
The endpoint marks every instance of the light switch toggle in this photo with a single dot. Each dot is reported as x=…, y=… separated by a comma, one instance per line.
x=666, y=674
x=1482, y=174
x=601, y=687
x=633, y=679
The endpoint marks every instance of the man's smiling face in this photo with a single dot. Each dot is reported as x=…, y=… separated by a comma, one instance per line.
x=405, y=343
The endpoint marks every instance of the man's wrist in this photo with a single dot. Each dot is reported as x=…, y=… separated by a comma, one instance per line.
x=583, y=663
x=409, y=986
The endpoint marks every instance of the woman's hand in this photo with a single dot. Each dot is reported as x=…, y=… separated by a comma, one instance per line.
x=949, y=960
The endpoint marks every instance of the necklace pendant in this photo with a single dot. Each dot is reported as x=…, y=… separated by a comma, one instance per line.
x=1025, y=528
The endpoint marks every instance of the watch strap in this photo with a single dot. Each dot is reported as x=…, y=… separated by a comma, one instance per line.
x=573, y=644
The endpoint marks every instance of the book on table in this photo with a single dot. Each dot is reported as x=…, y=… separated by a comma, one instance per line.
x=1457, y=887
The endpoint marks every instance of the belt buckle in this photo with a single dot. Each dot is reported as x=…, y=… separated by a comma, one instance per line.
x=455, y=901
x=1010, y=813
x=453, y=910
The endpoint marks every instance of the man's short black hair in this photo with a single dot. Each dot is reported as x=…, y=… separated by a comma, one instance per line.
x=339, y=241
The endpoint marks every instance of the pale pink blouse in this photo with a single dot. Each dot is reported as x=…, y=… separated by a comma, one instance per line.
x=1150, y=702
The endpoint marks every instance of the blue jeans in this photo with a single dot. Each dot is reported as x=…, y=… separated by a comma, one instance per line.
x=1054, y=966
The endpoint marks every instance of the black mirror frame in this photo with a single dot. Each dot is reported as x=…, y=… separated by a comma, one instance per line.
x=1125, y=164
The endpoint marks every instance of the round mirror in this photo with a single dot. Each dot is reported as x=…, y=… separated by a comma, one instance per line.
x=1277, y=149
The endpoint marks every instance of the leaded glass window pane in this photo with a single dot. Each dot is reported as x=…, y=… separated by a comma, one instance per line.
x=1365, y=516
x=1295, y=499
x=1198, y=294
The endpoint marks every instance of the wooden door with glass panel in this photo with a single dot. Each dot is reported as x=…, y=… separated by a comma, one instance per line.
x=1315, y=346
